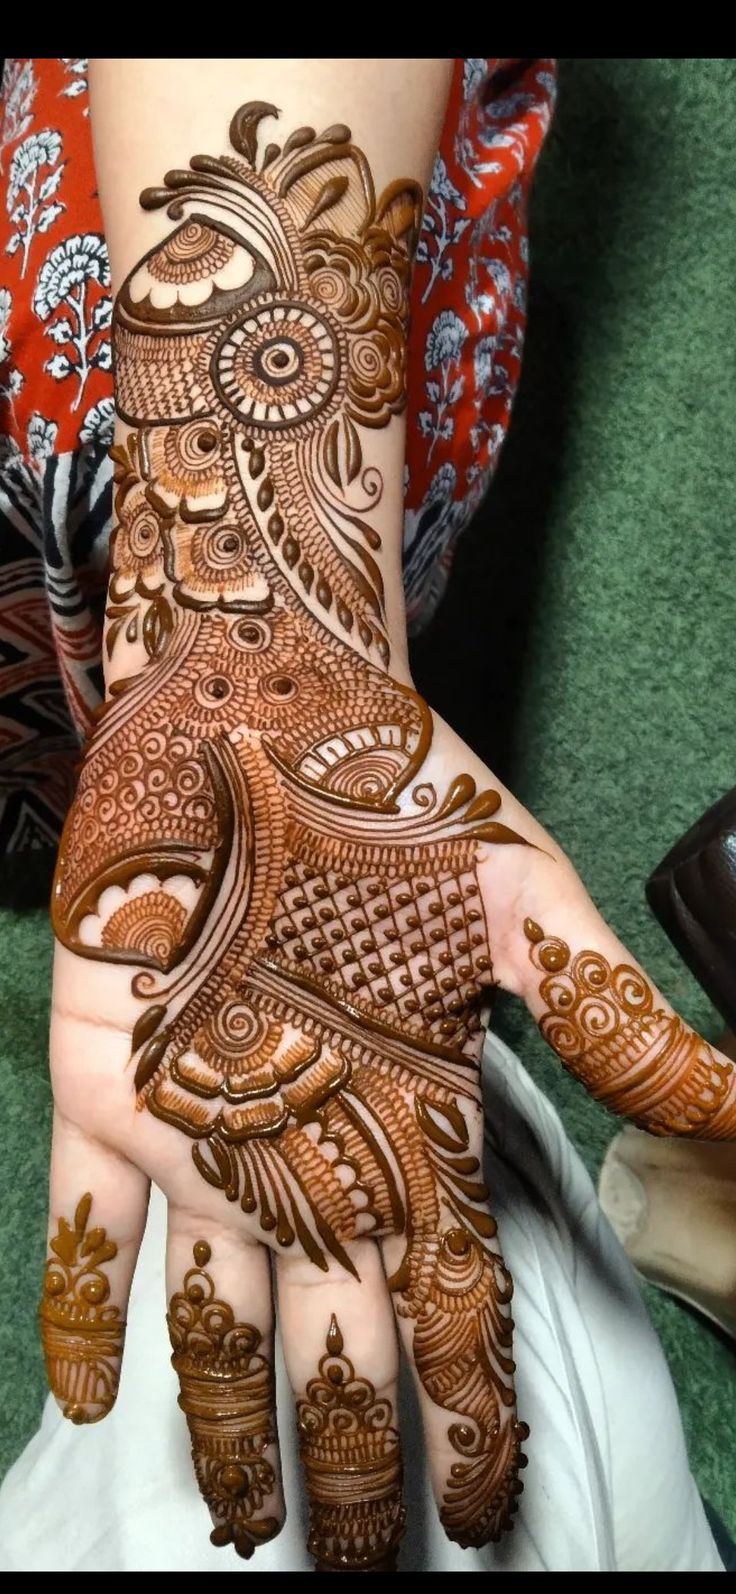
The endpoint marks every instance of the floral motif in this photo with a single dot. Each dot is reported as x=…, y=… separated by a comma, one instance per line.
x=98, y=424
x=212, y=566
x=74, y=266
x=471, y=268
x=256, y=1073
x=440, y=231
x=17, y=94
x=366, y=287
x=41, y=440
x=29, y=192
x=136, y=547
x=11, y=378
x=443, y=353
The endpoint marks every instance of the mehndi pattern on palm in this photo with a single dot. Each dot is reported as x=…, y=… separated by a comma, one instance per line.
x=311, y=954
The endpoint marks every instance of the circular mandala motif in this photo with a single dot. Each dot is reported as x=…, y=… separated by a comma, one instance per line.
x=279, y=688
x=213, y=691
x=251, y=635
x=278, y=366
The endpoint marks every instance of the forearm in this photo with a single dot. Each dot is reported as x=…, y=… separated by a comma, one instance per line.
x=150, y=118
x=260, y=342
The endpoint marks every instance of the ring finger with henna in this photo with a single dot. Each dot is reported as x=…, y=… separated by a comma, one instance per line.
x=220, y=1322
x=342, y=1357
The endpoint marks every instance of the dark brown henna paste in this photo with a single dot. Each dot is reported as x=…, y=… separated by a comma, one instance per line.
x=631, y=1055
x=352, y=1461
x=462, y=1349
x=81, y=1331
x=227, y=1393
x=251, y=832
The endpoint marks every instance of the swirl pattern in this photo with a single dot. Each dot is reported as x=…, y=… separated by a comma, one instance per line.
x=639, y=1060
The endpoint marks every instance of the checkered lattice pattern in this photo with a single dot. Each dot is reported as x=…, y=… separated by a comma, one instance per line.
x=410, y=951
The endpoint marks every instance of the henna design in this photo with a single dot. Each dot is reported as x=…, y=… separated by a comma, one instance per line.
x=352, y=1461
x=81, y=1332
x=251, y=831
x=632, y=1056
x=227, y=1394
x=462, y=1346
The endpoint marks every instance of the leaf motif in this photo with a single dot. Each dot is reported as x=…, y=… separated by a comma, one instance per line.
x=82, y=1214
x=485, y=804
x=102, y=314
x=146, y=1026
x=64, y=1244
x=60, y=331
x=480, y=1221
x=334, y=1337
x=461, y=789
x=244, y=127
x=113, y=631
x=332, y=463
x=454, y=1136
x=48, y=216
x=328, y=196
x=51, y=183
x=500, y=835
x=105, y=1252
x=158, y=625
x=353, y=449
x=59, y=367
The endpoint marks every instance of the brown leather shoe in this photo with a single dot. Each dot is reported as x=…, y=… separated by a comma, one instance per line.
x=693, y=894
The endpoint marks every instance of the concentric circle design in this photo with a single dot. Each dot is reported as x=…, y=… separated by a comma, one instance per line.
x=278, y=366
x=279, y=688
x=213, y=691
x=252, y=635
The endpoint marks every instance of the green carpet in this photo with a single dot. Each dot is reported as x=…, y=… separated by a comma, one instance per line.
x=584, y=645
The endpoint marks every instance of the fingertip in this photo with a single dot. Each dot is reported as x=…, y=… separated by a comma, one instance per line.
x=483, y=1494
x=82, y=1327
x=224, y=1364
x=83, y=1415
x=247, y=1536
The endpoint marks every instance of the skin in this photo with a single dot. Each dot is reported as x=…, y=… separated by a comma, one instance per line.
x=340, y=911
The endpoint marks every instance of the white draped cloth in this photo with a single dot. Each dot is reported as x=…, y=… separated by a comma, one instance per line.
x=608, y=1486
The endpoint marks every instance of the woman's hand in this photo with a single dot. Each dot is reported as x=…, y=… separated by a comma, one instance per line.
x=286, y=892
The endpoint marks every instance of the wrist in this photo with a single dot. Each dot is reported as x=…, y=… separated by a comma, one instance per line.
x=214, y=552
